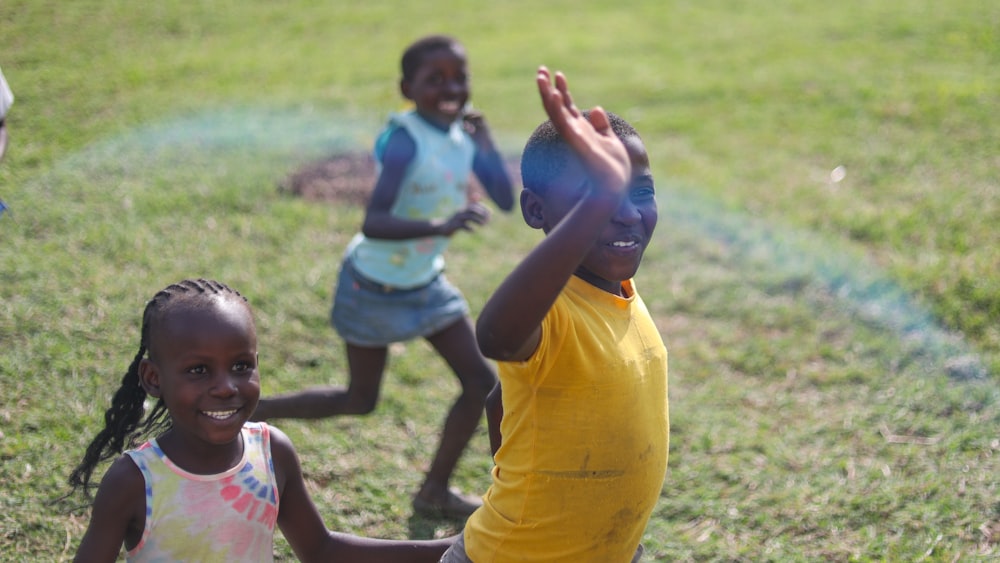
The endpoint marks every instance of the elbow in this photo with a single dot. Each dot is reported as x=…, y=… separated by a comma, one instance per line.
x=494, y=349
x=488, y=344
x=366, y=228
x=505, y=196
x=506, y=205
x=374, y=228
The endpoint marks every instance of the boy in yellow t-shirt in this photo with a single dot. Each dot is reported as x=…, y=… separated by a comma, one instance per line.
x=581, y=450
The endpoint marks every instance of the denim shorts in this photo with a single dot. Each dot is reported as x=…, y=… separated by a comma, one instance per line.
x=366, y=313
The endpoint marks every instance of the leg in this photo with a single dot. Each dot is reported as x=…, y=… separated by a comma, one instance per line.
x=360, y=397
x=457, y=345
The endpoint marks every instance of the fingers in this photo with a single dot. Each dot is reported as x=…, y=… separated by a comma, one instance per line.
x=478, y=212
x=556, y=98
x=592, y=137
x=551, y=99
x=563, y=86
x=600, y=121
x=466, y=219
x=478, y=208
x=474, y=120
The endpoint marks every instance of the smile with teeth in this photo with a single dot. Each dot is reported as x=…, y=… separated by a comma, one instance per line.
x=624, y=243
x=449, y=106
x=220, y=415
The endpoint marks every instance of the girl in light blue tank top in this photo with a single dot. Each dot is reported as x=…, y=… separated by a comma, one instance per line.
x=391, y=286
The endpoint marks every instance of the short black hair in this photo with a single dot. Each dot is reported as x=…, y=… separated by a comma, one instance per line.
x=415, y=53
x=546, y=154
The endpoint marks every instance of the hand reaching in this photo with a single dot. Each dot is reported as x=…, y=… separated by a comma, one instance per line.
x=600, y=150
x=474, y=214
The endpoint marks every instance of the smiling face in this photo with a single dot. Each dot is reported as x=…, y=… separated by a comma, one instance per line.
x=440, y=86
x=616, y=255
x=203, y=364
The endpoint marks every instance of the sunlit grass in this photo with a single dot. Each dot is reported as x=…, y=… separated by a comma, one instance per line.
x=834, y=340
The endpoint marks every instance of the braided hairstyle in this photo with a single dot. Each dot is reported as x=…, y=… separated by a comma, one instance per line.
x=124, y=426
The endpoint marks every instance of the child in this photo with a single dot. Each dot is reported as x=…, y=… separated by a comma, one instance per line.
x=211, y=486
x=6, y=100
x=391, y=286
x=583, y=370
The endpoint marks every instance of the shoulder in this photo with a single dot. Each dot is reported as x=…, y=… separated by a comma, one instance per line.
x=123, y=472
x=395, y=146
x=119, y=513
x=281, y=444
x=122, y=490
x=283, y=454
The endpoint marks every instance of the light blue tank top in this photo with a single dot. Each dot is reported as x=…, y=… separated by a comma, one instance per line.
x=435, y=186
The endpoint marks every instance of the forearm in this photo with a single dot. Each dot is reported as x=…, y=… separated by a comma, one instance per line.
x=346, y=547
x=3, y=138
x=491, y=170
x=390, y=227
x=516, y=309
x=494, y=416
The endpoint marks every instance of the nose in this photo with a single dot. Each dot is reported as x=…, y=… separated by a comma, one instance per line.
x=628, y=213
x=224, y=385
x=455, y=86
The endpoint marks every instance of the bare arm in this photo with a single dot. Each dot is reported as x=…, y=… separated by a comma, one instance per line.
x=121, y=494
x=509, y=326
x=308, y=535
x=488, y=164
x=3, y=138
x=379, y=221
x=494, y=416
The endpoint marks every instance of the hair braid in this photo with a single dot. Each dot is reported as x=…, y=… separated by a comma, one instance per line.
x=124, y=426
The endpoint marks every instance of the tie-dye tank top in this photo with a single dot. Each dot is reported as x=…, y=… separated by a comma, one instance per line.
x=229, y=516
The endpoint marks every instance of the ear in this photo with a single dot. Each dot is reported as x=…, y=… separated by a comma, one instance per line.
x=404, y=88
x=149, y=377
x=532, y=209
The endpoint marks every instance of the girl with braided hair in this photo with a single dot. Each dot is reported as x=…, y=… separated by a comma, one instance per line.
x=210, y=485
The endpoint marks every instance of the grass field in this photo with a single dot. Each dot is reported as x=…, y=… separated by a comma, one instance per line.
x=826, y=270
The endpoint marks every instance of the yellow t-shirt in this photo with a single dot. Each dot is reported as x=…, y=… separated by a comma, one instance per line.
x=585, y=436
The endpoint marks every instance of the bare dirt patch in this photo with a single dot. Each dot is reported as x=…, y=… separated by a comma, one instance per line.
x=342, y=178
x=349, y=178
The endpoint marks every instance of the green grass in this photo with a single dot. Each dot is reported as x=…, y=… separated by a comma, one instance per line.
x=835, y=346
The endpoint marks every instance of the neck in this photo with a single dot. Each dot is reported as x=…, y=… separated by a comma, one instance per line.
x=613, y=287
x=444, y=127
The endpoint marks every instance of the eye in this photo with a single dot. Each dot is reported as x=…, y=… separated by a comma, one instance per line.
x=642, y=192
x=198, y=370
x=243, y=367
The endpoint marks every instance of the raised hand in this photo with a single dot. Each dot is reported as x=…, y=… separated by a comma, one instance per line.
x=474, y=123
x=600, y=150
